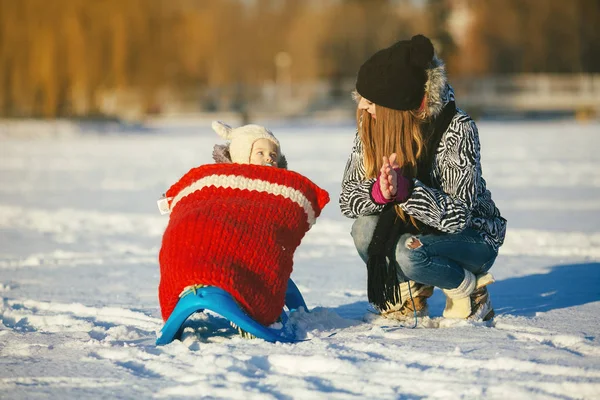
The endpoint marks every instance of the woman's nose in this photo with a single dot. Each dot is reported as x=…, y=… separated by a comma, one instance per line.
x=362, y=104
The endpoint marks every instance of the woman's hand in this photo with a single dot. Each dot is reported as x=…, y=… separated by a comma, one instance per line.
x=388, y=178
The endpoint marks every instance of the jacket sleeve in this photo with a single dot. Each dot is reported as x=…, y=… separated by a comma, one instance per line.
x=459, y=169
x=355, y=198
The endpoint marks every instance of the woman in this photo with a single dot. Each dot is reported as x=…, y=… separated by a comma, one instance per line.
x=413, y=182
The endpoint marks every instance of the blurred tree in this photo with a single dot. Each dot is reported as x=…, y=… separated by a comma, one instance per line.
x=81, y=57
x=510, y=36
x=588, y=23
x=357, y=29
x=437, y=29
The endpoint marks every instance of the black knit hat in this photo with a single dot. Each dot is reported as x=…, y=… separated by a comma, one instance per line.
x=395, y=77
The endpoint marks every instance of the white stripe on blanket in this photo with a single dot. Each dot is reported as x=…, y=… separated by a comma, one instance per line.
x=239, y=182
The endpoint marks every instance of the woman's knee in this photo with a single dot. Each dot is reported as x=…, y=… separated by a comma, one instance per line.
x=411, y=256
x=362, y=232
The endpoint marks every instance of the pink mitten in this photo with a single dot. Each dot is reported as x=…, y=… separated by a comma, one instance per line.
x=376, y=193
x=405, y=187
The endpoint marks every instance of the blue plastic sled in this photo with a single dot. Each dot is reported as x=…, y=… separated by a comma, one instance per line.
x=219, y=301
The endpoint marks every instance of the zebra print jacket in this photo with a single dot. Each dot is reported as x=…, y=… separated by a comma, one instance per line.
x=458, y=197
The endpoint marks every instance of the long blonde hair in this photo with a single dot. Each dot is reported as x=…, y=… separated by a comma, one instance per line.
x=392, y=131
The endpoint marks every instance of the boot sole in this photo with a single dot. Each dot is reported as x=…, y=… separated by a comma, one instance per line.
x=489, y=315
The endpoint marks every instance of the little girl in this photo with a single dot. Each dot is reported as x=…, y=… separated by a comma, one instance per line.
x=248, y=144
x=236, y=224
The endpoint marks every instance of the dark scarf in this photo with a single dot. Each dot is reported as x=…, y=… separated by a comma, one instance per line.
x=382, y=267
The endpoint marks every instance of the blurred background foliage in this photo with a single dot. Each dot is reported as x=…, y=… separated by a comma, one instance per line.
x=65, y=58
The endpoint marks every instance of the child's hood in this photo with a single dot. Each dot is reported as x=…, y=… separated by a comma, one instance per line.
x=221, y=155
x=240, y=141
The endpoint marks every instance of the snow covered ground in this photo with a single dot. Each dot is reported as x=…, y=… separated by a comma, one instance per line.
x=80, y=234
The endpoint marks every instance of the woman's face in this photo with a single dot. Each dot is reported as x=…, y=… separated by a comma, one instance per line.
x=367, y=105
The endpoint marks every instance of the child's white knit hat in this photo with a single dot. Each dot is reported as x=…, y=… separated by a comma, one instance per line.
x=243, y=138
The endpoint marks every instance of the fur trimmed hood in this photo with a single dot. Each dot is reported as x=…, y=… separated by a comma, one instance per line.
x=240, y=141
x=437, y=90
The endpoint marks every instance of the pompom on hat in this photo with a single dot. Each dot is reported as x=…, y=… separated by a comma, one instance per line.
x=395, y=77
x=242, y=138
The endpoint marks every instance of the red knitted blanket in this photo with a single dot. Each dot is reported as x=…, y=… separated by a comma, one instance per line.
x=236, y=226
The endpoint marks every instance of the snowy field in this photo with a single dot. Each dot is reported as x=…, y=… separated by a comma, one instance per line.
x=80, y=234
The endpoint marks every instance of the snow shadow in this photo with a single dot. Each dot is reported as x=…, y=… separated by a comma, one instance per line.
x=564, y=286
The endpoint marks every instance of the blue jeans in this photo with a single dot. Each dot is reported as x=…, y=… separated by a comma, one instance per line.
x=439, y=261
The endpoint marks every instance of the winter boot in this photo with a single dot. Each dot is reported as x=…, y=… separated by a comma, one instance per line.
x=470, y=300
x=481, y=306
x=414, y=299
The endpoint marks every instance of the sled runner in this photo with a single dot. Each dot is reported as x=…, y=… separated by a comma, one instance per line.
x=219, y=301
x=231, y=237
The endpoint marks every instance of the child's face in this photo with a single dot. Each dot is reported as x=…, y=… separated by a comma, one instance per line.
x=264, y=152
